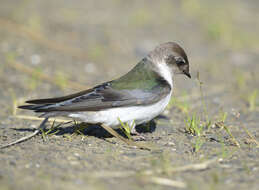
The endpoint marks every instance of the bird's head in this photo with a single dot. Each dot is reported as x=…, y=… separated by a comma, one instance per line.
x=170, y=56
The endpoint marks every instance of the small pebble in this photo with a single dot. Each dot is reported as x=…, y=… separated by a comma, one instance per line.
x=35, y=59
x=76, y=154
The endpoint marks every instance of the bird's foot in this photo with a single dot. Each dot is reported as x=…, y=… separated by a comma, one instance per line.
x=137, y=136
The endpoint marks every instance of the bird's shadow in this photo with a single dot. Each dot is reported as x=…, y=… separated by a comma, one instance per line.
x=92, y=129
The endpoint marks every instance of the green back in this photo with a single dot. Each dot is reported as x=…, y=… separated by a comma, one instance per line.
x=140, y=77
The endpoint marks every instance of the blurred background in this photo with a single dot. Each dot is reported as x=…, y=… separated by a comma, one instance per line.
x=52, y=48
x=46, y=44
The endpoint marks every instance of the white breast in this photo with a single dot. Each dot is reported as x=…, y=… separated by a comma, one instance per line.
x=165, y=72
x=125, y=114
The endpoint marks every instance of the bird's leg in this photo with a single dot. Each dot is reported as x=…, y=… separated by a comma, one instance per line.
x=136, y=135
x=41, y=127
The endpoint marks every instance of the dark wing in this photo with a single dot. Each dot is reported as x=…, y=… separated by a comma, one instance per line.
x=99, y=98
x=58, y=99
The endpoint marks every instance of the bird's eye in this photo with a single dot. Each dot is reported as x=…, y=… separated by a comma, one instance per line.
x=180, y=61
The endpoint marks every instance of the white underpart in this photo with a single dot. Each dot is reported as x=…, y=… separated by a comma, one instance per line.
x=139, y=114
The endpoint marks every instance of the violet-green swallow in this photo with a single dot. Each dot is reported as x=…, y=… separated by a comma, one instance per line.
x=135, y=98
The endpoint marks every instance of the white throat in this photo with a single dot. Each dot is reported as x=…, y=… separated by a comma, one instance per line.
x=164, y=71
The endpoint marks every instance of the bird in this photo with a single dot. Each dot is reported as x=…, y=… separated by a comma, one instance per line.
x=134, y=98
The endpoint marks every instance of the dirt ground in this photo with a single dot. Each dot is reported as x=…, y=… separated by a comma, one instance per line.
x=51, y=48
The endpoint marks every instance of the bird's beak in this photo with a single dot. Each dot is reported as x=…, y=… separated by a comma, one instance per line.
x=187, y=74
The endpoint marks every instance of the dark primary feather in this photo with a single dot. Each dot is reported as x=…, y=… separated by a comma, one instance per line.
x=141, y=86
x=58, y=99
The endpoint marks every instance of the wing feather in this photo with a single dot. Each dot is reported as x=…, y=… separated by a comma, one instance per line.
x=99, y=98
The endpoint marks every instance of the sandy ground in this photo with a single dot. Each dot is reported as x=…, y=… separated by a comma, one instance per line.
x=52, y=48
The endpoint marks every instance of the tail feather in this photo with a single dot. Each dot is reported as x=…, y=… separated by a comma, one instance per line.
x=45, y=101
x=36, y=108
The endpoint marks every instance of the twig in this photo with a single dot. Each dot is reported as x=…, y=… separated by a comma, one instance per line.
x=125, y=174
x=127, y=141
x=195, y=167
x=41, y=127
x=166, y=182
x=191, y=167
